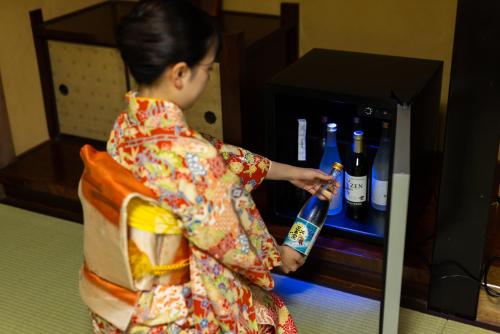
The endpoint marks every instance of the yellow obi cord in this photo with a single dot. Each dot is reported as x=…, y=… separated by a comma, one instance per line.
x=148, y=217
x=141, y=265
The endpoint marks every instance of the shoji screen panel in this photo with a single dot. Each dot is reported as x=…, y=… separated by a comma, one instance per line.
x=89, y=85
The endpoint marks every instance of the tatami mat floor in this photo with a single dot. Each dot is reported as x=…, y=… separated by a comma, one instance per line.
x=39, y=261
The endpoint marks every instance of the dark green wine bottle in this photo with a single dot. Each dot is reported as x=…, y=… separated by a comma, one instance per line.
x=356, y=180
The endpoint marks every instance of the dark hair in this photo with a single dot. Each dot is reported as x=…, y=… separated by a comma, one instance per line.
x=159, y=33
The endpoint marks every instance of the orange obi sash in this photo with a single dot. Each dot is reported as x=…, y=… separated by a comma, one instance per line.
x=120, y=240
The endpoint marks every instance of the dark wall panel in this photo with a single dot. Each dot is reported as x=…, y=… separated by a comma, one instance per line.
x=471, y=144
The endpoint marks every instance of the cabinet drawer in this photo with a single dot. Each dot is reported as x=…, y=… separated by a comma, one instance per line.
x=89, y=85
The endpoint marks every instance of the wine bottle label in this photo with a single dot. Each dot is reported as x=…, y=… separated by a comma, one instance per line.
x=379, y=192
x=302, y=236
x=301, y=145
x=355, y=189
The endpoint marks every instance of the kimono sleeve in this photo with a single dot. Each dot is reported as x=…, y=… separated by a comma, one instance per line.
x=250, y=167
x=220, y=218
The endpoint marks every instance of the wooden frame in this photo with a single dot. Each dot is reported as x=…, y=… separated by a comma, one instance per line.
x=42, y=55
x=6, y=145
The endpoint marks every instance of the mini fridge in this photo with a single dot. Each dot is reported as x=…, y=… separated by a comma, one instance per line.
x=344, y=87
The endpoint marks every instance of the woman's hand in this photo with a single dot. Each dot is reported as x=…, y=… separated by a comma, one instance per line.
x=291, y=259
x=309, y=179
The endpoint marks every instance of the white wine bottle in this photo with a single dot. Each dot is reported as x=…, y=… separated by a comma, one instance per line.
x=380, y=171
x=310, y=220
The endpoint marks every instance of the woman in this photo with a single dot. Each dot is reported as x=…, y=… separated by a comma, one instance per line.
x=216, y=261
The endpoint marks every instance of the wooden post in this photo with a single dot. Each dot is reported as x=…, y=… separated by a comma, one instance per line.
x=232, y=79
x=290, y=21
x=6, y=145
x=42, y=56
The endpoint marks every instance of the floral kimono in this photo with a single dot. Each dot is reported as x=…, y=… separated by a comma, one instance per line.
x=205, y=185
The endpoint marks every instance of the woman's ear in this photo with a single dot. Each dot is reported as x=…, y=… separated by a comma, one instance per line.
x=179, y=74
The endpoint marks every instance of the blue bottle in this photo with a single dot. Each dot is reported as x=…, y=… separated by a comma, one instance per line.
x=312, y=216
x=331, y=155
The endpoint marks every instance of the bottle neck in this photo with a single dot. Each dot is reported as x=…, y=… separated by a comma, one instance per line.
x=332, y=184
x=385, y=135
x=356, y=124
x=357, y=146
x=331, y=138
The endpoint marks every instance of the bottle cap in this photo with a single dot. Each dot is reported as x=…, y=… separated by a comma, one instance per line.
x=338, y=166
x=357, y=135
x=331, y=127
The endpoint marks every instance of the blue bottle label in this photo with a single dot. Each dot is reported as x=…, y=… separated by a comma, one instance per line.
x=302, y=236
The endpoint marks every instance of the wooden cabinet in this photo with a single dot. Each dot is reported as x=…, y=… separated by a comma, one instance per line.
x=84, y=81
x=84, y=78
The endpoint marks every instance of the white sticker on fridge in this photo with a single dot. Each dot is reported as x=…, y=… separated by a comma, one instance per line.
x=301, y=145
